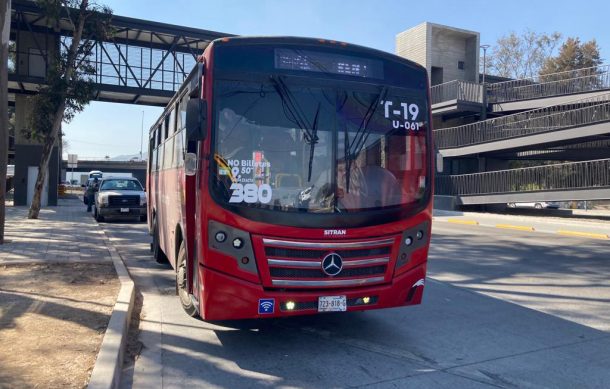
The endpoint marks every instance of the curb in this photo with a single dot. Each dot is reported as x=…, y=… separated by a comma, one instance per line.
x=106, y=372
x=579, y=234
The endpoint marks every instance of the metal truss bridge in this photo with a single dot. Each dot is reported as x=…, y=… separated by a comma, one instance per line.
x=144, y=62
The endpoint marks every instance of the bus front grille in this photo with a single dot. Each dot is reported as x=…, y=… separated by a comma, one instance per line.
x=298, y=264
x=282, y=272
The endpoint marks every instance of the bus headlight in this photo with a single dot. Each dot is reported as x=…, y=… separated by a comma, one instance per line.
x=234, y=243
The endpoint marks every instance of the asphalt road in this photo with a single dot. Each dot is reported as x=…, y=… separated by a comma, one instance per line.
x=501, y=309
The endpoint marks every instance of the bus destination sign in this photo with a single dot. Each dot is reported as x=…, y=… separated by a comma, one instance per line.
x=313, y=61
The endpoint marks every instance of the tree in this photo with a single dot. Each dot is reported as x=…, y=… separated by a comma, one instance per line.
x=69, y=83
x=573, y=55
x=5, y=28
x=522, y=56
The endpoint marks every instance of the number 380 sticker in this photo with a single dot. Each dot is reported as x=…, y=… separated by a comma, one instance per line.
x=250, y=193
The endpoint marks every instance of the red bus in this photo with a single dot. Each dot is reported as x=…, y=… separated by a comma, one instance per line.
x=292, y=176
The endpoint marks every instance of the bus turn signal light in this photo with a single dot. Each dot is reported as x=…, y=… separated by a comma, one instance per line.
x=238, y=243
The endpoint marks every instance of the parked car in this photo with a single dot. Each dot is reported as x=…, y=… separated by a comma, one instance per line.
x=120, y=197
x=537, y=205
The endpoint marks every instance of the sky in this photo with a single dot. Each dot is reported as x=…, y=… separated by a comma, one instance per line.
x=116, y=129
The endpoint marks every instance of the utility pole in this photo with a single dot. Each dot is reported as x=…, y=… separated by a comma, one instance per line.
x=5, y=29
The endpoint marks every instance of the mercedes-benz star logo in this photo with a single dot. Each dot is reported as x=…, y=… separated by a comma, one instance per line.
x=332, y=264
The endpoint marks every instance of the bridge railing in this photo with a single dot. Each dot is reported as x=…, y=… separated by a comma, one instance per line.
x=548, y=119
x=564, y=176
x=457, y=90
x=556, y=84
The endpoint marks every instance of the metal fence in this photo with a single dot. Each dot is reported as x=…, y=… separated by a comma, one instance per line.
x=457, y=90
x=556, y=84
x=584, y=112
x=565, y=176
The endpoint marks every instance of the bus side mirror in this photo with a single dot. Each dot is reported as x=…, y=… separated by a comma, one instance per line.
x=190, y=164
x=196, y=115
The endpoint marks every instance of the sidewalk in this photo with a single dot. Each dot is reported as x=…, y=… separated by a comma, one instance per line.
x=59, y=297
x=65, y=233
x=593, y=229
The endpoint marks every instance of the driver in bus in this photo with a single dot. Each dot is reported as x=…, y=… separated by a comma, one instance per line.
x=370, y=186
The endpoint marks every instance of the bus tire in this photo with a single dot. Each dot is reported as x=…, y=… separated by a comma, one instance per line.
x=158, y=253
x=182, y=283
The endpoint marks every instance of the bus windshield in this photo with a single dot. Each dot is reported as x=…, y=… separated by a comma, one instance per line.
x=287, y=144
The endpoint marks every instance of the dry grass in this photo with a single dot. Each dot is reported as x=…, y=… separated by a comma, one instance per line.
x=52, y=321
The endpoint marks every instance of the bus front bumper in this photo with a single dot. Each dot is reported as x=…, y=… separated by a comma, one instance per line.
x=229, y=298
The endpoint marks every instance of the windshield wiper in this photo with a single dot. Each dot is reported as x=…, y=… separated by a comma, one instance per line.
x=291, y=105
x=314, y=140
x=355, y=147
x=299, y=118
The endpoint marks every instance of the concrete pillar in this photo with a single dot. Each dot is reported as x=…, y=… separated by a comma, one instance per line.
x=27, y=156
x=34, y=50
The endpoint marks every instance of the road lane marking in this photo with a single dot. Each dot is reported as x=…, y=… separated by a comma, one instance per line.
x=590, y=235
x=513, y=227
x=583, y=234
x=460, y=221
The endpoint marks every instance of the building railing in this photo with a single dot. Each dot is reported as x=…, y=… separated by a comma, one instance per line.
x=555, y=84
x=564, y=176
x=457, y=90
x=548, y=119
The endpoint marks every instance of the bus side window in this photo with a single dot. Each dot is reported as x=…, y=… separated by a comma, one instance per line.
x=178, y=149
x=160, y=157
x=153, y=161
x=181, y=107
x=170, y=122
x=152, y=150
x=169, y=153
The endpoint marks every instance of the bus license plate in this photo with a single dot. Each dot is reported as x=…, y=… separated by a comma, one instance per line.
x=332, y=304
x=124, y=210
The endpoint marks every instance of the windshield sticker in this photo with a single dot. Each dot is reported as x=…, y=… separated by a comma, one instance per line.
x=249, y=178
x=403, y=115
x=250, y=193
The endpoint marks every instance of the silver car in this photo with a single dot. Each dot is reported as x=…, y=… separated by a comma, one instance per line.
x=120, y=197
x=536, y=205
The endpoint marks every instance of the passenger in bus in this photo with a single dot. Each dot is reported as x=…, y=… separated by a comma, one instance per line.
x=279, y=149
x=234, y=136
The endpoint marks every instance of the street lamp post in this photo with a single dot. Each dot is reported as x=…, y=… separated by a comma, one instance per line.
x=483, y=86
x=484, y=47
x=141, y=136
